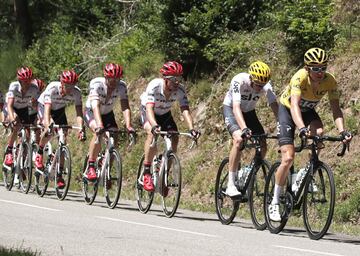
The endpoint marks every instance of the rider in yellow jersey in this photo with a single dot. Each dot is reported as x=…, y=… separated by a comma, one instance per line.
x=297, y=109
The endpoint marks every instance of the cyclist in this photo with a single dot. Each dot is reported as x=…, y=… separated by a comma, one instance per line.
x=19, y=98
x=240, y=116
x=33, y=109
x=52, y=103
x=156, y=104
x=99, y=113
x=297, y=109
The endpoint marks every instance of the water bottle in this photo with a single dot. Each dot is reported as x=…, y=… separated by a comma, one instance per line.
x=298, y=179
x=243, y=174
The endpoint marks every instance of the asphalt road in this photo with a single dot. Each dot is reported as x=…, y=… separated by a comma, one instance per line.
x=71, y=227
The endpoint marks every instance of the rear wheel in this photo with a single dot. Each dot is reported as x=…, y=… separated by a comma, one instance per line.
x=65, y=172
x=256, y=195
x=25, y=168
x=144, y=198
x=89, y=188
x=285, y=202
x=319, y=201
x=113, y=179
x=226, y=208
x=8, y=174
x=170, y=180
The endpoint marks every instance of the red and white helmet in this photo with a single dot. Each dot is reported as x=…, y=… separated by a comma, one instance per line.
x=39, y=83
x=171, y=68
x=69, y=77
x=24, y=73
x=112, y=70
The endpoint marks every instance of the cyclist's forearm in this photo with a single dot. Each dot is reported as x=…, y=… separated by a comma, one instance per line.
x=296, y=116
x=127, y=118
x=79, y=116
x=188, y=119
x=150, y=115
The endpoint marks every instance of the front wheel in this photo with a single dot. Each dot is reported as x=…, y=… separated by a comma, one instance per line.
x=285, y=202
x=256, y=195
x=113, y=179
x=63, y=170
x=89, y=188
x=226, y=208
x=25, y=168
x=170, y=180
x=144, y=198
x=319, y=201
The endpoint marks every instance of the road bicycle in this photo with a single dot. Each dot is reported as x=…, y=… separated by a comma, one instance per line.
x=57, y=163
x=166, y=175
x=22, y=166
x=250, y=182
x=108, y=168
x=315, y=192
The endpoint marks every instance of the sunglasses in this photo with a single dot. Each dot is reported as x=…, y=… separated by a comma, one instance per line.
x=318, y=69
x=174, y=79
x=259, y=85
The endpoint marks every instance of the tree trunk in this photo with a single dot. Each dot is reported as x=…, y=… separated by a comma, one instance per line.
x=23, y=20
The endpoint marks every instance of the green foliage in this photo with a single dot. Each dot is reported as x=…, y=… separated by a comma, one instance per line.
x=10, y=60
x=17, y=252
x=307, y=24
x=50, y=55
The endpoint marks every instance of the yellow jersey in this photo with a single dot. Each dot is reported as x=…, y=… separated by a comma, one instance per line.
x=300, y=84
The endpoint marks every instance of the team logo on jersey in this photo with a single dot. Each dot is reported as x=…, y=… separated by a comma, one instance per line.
x=250, y=97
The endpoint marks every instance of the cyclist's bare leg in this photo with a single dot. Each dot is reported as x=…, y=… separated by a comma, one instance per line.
x=14, y=132
x=149, y=152
x=316, y=127
x=94, y=149
x=235, y=155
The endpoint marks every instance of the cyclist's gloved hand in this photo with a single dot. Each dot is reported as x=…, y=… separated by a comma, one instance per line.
x=303, y=132
x=346, y=136
x=155, y=129
x=132, y=134
x=246, y=133
x=195, y=133
x=82, y=135
x=99, y=130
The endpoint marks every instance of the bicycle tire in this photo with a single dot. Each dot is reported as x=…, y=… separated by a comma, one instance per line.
x=42, y=179
x=34, y=149
x=113, y=179
x=8, y=175
x=25, y=173
x=170, y=180
x=256, y=195
x=319, y=191
x=144, y=198
x=226, y=208
x=89, y=188
x=285, y=202
x=66, y=172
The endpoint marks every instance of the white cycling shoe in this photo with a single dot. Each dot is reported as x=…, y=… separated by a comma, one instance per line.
x=232, y=191
x=274, y=212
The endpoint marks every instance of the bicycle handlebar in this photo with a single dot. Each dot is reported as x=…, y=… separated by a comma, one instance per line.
x=172, y=133
x=317, y=139
x=255, y=138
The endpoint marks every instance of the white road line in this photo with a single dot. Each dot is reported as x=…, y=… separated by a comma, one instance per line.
x=158, y=227
x=305, y=250
x=30, y=205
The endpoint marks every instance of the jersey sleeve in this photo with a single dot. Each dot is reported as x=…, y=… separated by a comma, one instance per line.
x=11, y=93
x=182, y=97
x=333, y=91
x=123, y=91
x=295, y=85
x=48, y=96
x=94, y=91
x=150, y=94
x=77, y=97
x=235, y=91
x=270, y=95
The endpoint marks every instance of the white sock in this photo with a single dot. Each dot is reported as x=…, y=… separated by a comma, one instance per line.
x=277, y=192
x=231, y=181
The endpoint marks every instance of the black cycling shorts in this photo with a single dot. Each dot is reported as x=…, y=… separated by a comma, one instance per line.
x=286, y=126
x=166, y=121
x=250, y=118
x=58, y=116
x=108, y=119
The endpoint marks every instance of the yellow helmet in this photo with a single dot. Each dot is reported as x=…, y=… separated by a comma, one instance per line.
x=259, y=72
x=315, y=56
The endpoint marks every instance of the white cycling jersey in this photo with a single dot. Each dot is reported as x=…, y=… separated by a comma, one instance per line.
x=241, y=92
x=51, y=95
x=20, y=100
x=98, y=91
x=154, y=95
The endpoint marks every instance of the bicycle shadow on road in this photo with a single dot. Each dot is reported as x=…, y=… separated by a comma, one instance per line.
x=340, y=238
